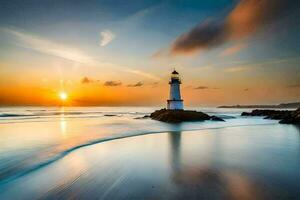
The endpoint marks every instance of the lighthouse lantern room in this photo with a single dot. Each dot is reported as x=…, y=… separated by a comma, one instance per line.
x=175, y=102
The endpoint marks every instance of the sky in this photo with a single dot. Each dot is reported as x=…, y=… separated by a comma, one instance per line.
x=121, y=53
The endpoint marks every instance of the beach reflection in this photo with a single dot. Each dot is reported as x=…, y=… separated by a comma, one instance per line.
x=63, y=123
x=206, y=182
x=229, y=163
x=175, y=162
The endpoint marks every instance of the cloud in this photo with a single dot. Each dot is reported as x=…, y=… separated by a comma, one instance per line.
x=247, y=17
x=205, y=88
x=154, y=84
x=237, y=69
x=52, y=48
x=203, y=36
x=234, y=49
x=86, y=80
x=246, y=89
x=48, y=47
x=106, y=37
x=159, y=54
x=294, y=86
x=201, y=88
x=138, y=84
x=112, y=83
x=247, y=66
x=141, y=73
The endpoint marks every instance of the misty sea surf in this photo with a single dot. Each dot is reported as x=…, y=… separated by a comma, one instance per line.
x=114, y=152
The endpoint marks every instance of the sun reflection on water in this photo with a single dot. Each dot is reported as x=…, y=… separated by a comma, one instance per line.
x=63, y=123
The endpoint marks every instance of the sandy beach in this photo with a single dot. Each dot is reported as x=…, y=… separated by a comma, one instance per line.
x=248, y=162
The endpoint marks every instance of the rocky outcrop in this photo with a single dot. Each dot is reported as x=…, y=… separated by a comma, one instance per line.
x=176, y=116
x=294, y=118
x=285, y=116
x=215, y=118
x=269, y=114
x=144, y=117
x=110, y=115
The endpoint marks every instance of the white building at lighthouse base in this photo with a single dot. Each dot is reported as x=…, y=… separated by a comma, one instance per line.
x=175, y=104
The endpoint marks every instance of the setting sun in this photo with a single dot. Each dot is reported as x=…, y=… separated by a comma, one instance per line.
x=63, y=96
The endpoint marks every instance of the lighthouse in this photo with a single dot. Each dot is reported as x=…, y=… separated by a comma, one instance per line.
x=175, y=102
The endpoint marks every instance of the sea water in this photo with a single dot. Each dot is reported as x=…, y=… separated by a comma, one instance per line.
x=32, y=138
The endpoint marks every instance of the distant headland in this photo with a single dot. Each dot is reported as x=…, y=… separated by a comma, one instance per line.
x=282, y=105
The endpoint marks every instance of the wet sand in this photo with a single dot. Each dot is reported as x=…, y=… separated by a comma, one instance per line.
x=255, y=162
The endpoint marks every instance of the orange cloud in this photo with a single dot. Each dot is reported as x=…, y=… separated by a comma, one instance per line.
x=112, y=83
x=247, y=17
x=205, y=88
x=86, y=80
x=138, y=84
x=234, y=49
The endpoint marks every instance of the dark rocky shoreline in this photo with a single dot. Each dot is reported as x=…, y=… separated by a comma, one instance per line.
x=285, y=116
x=177, y=116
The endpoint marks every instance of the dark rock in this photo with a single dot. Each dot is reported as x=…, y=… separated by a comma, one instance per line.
x=285, y=116
x=215, y=118
x=226, y=117
x=144, y=117
x=176, y=116
x=110, y=115
x=246, y=114
x=294, y=118
x=269, y=114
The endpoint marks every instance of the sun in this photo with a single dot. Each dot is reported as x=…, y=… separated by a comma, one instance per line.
x=63, y=95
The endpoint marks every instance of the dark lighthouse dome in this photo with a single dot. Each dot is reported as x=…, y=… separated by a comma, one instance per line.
x=175, y=77
x=175, y=72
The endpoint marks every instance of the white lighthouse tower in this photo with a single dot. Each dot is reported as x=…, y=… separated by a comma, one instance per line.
x=175, y=102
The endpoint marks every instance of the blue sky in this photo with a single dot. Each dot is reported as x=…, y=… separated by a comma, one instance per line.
x=115, y=40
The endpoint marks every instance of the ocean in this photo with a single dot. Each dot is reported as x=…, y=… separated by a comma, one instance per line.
x=97, y=152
